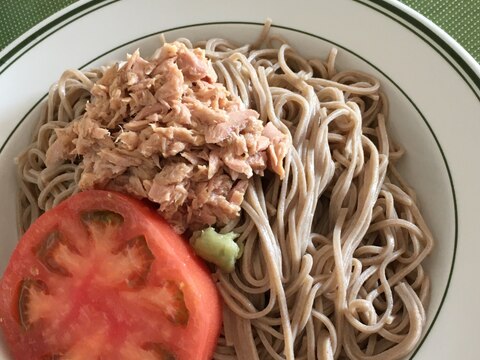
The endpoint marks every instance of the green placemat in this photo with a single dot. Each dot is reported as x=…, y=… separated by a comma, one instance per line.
x=17, y=16
x=459, y=18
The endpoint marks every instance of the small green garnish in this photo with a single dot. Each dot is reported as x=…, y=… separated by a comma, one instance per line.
x=220, y=249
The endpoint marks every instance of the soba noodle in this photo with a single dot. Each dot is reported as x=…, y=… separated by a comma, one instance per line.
x=332, y=255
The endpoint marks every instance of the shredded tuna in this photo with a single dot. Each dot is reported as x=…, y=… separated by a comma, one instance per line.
x=128, y=140
x=277, y=150
x=62, y=148
x=164, y=130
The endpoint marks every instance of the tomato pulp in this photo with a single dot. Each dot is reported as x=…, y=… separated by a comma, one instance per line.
x=103, y=276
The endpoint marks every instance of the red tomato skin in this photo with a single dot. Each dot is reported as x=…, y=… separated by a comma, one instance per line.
x=179, y=262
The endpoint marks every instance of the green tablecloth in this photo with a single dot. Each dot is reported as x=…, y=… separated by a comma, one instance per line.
x=459, y=18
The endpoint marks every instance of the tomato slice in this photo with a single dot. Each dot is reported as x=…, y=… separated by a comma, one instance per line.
x=102, y=276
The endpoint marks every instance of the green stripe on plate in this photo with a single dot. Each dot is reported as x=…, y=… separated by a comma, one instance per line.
x=431, y=37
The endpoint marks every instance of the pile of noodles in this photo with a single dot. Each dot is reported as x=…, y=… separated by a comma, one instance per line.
x=332, y=255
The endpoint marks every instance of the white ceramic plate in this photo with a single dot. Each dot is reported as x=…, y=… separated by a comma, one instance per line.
x=432, y=83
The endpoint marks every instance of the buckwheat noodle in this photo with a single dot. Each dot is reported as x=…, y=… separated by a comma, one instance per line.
x=332, y=255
